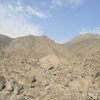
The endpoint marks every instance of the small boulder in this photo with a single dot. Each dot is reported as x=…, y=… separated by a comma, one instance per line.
x=22, y=98
x=97, y=75
x=18, y=88
x=9, y=87
x=2, y=83
x=33, y=79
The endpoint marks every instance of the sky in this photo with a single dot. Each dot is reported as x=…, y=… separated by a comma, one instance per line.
x=60, y=20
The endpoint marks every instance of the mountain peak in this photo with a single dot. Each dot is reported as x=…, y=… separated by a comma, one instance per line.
x=84, y=37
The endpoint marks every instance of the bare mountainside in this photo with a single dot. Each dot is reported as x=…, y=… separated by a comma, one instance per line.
x=37, y=68
x=84, y=43
x=39, y=48
x=4, y=40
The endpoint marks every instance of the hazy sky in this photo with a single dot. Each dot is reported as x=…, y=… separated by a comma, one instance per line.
x=58, y=19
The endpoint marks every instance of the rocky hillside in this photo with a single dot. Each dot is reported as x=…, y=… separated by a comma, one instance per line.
x=37, y=68
x=82, y=44
x=39, y=48
x=4, y=40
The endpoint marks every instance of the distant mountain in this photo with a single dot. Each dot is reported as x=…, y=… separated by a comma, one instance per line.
x=83, y=44
x=38, y=47
x=4, y=40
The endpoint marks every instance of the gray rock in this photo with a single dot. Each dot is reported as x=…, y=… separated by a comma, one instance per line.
x=18, y=88
x=97, y=74
x=2, y=83
x=33, y=79
x=22, y=98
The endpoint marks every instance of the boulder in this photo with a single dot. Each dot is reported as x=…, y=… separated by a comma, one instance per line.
x=9, y=87
x=79, y=84
x=18, y=88
x=33, y=79
x=2, y=83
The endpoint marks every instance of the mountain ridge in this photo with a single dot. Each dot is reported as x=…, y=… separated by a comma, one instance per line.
x=37, y=68
x=83, y=43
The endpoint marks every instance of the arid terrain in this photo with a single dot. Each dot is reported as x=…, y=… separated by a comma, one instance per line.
x=37, y=68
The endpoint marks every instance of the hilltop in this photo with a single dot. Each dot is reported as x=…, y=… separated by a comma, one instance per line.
x=82, y=44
